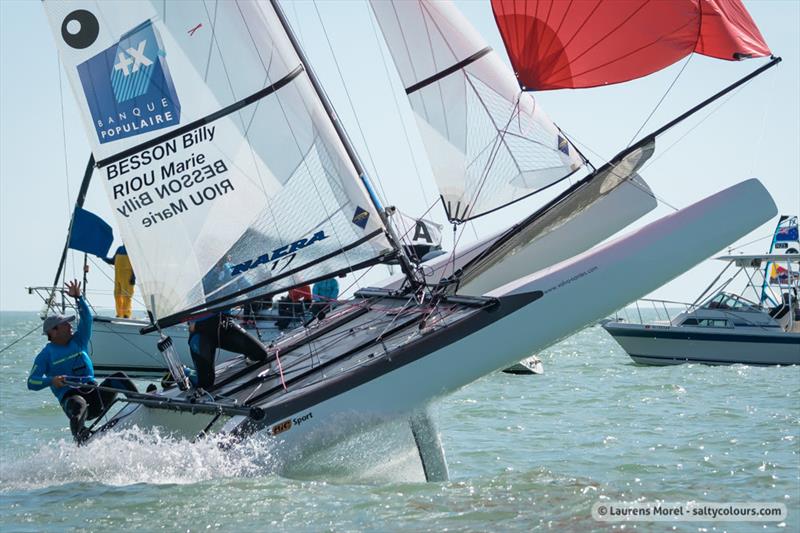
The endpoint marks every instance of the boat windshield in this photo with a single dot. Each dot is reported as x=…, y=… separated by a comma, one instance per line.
x=725, y=300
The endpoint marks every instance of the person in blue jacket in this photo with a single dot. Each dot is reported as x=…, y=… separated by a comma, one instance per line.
x=64, y=364
x=324, y=294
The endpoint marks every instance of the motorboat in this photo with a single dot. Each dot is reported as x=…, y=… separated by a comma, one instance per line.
x=529, y=366
x=726, y=327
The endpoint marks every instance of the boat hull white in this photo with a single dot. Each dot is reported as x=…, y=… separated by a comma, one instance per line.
x=532, y=313
x=669, y=345
x=117, y=345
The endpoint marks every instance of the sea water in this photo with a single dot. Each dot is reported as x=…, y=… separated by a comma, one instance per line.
x=525, y=453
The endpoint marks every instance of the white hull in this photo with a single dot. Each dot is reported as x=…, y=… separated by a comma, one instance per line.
x=117, y=345
x=533, y=313
x=669, y=345
x=625, y=204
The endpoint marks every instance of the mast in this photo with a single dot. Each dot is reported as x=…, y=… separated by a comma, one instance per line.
x=87, y=178
x=405, y=262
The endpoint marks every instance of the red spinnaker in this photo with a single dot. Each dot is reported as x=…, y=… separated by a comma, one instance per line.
x=559, y=44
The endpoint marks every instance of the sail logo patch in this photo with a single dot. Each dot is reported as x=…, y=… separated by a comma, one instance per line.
x=128, y=87
x=360, y=218
x=563, y=145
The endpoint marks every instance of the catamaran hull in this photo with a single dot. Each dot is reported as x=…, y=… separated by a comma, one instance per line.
x=569, y=235
x=532, y=313
x=665, y=345
x=117, y=345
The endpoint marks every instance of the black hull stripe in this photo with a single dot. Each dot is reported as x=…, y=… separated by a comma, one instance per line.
x=682, y=360
x=408, y=354
x=258, y=95
x=449, y=70
x=721, y=337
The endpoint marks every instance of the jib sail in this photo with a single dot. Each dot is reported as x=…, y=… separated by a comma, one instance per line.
x=489, y=144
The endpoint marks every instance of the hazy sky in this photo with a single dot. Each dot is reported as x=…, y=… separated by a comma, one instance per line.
x=43, y=149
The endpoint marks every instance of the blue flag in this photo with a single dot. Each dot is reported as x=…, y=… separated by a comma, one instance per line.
x=90, y=233
x=787, y=234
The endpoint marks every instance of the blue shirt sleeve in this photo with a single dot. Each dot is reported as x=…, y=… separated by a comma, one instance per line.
x=38, y=378
x=84, y=333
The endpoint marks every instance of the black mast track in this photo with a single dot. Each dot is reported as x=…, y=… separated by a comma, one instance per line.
x=552, y=204
x=244, y=102
x=87, y=179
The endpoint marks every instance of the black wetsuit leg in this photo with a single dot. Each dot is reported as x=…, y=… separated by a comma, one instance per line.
x=117, y=380
x=203, y=344
x=221, y=332
x=77, y=408
x=234, y=338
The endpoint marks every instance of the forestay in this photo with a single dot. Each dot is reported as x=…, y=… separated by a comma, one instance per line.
x=489, y=144
x=226, y=175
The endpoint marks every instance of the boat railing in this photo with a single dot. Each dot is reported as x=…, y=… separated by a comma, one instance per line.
x=648, y=311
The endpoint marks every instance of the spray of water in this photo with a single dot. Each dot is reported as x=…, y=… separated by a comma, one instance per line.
x=136, y=456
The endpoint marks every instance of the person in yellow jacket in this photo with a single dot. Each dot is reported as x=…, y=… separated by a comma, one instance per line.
x=124, y=281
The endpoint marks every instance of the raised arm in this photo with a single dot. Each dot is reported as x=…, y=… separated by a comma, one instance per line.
x=84, y=332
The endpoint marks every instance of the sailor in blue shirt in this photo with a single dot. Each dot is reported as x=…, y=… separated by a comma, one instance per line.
x=66, y=359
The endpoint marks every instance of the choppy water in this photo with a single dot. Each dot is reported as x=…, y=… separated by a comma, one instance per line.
x=525, y=453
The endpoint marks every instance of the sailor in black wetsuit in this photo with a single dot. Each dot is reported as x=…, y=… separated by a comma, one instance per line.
x=219, y=331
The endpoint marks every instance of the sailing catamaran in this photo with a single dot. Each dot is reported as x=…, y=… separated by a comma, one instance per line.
x=233, y=179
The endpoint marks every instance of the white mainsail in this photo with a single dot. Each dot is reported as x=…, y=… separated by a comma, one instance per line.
x=226, y=174
x=489, y=143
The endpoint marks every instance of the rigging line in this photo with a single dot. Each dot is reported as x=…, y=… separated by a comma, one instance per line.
x=632, y=182
x=437, y=68
x=6, y=347
x=246, y=132
x=690, y=130
x=64, y=144
x=407, y=49
x=731, y=249
x=767, y=104
x=661, y=100
x=319, y=96
x=497, y=144
x=349, y=99
x=396, y=101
